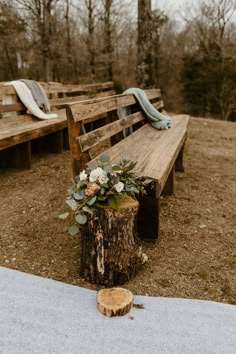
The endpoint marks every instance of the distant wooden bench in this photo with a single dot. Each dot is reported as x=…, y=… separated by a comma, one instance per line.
x=18, y=130
x=157, y=153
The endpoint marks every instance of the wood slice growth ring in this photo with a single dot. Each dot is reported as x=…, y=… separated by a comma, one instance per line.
x=114, y=301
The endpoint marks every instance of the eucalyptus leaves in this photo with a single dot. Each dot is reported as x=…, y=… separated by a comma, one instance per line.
x=101, y=183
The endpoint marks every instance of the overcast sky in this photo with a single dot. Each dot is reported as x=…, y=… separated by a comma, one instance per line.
x=171, y=6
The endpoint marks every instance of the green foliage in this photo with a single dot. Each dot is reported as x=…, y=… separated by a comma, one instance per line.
x=64, y=215
x=81, y=218
x=101, y=183
x=73, y=230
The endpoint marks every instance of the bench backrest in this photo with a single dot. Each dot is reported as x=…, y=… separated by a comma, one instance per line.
x=94, y=125
x=57, y=93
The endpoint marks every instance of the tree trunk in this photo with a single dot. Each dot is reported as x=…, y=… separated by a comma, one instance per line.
x=68, y=44
x=145, y=75
x=90, y=41
x=108, y=47
x=109, y=253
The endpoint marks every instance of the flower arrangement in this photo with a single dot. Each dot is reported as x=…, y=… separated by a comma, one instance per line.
x=101, y=183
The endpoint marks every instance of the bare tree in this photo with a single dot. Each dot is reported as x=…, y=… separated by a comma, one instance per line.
x=145, y=74
x=91, y=18
x=12, y=41
x=41, y=12
x=216, y=52
x=108, y=47
x=69, y=71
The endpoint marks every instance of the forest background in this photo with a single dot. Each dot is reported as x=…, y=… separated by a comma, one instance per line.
x=132, y=43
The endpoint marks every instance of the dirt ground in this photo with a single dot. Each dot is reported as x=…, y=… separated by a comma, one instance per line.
x=196, y=255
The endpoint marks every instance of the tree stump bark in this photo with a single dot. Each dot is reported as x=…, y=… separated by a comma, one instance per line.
x=114, y=301
x=109, y=253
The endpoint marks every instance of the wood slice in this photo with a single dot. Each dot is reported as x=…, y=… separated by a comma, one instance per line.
x=114, y=301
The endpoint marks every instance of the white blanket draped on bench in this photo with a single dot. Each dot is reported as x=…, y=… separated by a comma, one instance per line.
x=27, y=99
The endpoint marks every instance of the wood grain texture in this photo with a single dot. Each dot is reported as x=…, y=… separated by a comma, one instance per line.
x=114, y=301
x=99, y=135
x=60, y=88
x=109, y=253
x=18, y=127
x=156, y=153
x=78, y=158
x=14, y=107
x=15, y=130
x=87, y=109
x=93, y=138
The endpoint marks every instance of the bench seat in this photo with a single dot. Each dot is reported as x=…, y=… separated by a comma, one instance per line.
x=157, y=152
x=25, y=127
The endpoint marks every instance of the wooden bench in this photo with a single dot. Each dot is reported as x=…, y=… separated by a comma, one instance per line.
x=18, y=130
x=157, y=153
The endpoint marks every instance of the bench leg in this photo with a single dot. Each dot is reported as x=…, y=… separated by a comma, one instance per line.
x=169, y=187
x=18, y=156
x=179, y=163
x=148, y=216
x=23, y=155
x=56, y=142
x=48, y=143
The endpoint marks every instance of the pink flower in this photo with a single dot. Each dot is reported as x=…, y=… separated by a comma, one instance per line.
x=89, y=192
x=91, y=189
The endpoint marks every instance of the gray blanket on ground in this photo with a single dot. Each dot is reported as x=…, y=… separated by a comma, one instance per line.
x=155, y=118
x=38, y=94
x=43, y=316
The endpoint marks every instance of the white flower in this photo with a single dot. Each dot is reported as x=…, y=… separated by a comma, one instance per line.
x=98, y=175
x=119, y=186
x=103, y=179
x=83, y=176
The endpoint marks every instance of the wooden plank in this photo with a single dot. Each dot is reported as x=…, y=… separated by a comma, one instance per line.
x=79, y=159
x=25, y=127
x=60, y=88
x=9, y=100
x=79, y=88
x=135, y=138
x=13, y=107
x=7, y=90
x=157, y=146
x=95, y=137
x=105, y=93
x=62, y=102
x=87, y=109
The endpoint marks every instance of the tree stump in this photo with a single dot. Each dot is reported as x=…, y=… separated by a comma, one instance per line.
x=114, y=301
x=109, y=253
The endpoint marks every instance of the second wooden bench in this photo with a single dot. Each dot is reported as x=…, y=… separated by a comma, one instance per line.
x=19, y=130
x=157, y=153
